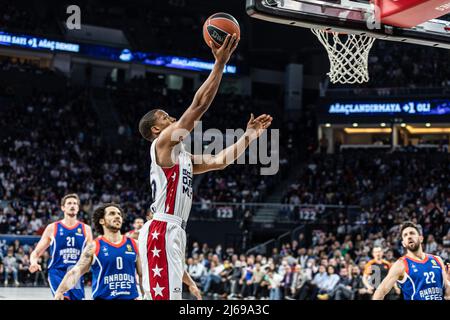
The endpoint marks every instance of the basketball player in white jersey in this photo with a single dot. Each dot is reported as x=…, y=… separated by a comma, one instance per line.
x=163, y=239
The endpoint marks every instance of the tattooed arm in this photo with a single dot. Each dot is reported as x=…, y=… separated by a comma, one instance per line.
x=73, y=275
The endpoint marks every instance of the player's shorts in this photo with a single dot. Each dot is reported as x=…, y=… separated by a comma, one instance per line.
x=162, y=243
x=55, y=276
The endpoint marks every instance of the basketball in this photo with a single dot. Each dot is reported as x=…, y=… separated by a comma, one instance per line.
x=218, y=26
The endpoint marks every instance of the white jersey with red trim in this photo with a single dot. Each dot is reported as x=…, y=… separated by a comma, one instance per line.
x=172, y=187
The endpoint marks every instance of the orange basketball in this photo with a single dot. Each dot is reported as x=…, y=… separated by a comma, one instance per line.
x=218, y=26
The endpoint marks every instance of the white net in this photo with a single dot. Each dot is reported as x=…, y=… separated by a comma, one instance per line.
x=348, y=54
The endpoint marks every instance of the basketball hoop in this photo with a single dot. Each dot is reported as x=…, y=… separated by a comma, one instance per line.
x=348, y=55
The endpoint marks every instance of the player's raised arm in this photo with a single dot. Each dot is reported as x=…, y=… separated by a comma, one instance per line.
x=42, y=245
x=73, y=275
x=396, y=272
x=203, y=97
x=255, y=127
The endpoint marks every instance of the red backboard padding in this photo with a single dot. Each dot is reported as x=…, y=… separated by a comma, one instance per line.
x=410, y=13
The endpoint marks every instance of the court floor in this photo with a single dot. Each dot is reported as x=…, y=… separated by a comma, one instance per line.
x=25, y=293
x=43, y=293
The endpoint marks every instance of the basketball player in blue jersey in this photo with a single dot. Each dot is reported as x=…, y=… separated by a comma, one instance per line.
x=66, y=239
x=112, y=257
x=420, y=276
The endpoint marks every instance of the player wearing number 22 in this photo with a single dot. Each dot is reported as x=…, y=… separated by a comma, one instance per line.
x=112, y=258
x=66, y=238
x=420, y=276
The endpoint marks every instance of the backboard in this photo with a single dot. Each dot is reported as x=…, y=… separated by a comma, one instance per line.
x=363, y=17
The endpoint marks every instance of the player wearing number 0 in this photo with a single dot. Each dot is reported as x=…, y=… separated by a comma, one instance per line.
x=112, y=257
x=66, y=239
x=162, y=241
x=421, y=276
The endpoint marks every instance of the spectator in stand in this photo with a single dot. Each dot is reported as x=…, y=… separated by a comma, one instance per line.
x=287, y=281
x=343, y=290
x=197, y=271
x=257, y=280
x=431, y=246
x=274, y=284
x=234, y=279
x=329, y=284
x=226, y=275
x=318, y=282
x=195, y=249
x=213, y=277
x=361, y=292
x=11, y=266
x=23, y=261
x=298, y=286
x=246, y=279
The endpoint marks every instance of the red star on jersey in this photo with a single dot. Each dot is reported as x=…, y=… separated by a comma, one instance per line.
x=157, y=260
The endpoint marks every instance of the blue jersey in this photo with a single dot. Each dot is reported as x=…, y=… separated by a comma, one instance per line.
x=66, y=246
x=65, y=250
x=423, y=280
x=114, y=270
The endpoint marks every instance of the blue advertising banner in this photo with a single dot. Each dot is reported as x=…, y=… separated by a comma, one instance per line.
x=8, y=39
x=110, y=53
x=415, y=107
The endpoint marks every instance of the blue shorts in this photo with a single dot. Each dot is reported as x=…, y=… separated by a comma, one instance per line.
x=55, y=277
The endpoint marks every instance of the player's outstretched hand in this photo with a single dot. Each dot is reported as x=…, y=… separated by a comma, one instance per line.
x=224, y=53
x=195, y=291
x=255, y=127
x=34, y=267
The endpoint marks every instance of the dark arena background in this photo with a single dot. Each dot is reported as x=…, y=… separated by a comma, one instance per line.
x=354, y=161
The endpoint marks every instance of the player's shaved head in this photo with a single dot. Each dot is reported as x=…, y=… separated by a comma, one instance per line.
x=153, y=123
x=147, y=122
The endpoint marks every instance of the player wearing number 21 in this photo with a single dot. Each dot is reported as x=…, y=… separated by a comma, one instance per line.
x=112, y=257
x=66, y=239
